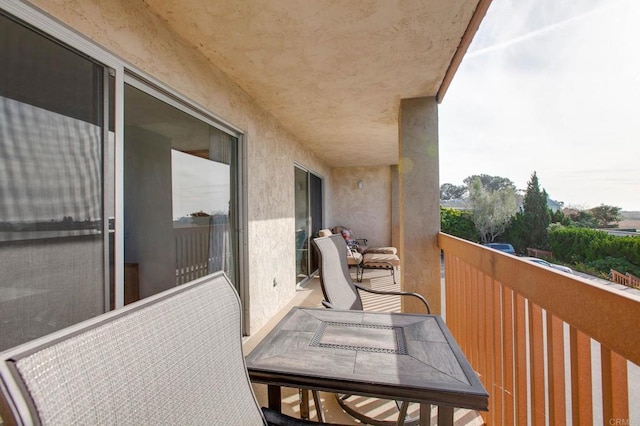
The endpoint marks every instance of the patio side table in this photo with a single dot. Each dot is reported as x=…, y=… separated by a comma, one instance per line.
x=407, y=357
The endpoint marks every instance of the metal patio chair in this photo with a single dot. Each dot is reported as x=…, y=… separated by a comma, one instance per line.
x=340, y=292
x=173, y=358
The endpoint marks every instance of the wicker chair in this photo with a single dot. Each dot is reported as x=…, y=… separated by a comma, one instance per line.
x=173, y=358
x=340, y=292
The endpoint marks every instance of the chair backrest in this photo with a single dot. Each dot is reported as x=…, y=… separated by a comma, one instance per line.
x=335, y=279
x=173, y=358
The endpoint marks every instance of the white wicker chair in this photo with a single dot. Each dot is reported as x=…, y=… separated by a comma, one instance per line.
x=173, y=358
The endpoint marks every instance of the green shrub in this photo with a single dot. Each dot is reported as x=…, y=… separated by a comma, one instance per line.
x=458, y=223
x=606, y=264
x=572, y=244
x=583, y=245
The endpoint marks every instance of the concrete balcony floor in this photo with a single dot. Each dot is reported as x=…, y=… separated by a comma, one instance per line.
x=311, y=296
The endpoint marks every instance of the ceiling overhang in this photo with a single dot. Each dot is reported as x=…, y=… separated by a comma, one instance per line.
x=332, y=72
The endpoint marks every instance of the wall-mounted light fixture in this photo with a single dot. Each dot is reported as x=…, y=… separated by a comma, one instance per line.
x=360, y=184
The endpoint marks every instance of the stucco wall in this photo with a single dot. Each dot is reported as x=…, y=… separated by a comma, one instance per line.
x=127, y=29
x=366, y=210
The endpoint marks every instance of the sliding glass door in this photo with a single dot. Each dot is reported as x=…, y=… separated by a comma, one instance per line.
x=56, y=185
x=308, y=220
x=180, y=195
x=109, y=185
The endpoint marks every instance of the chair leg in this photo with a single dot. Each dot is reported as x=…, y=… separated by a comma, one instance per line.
x=402, y=413
x=318, y=403
x=360, y=271
x=304, y=405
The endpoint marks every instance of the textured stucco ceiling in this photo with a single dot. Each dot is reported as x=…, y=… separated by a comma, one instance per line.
x=332, y=71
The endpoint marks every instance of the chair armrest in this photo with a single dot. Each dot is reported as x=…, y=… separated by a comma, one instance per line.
x=396, y=293
x=356, y=248
x=327, y=304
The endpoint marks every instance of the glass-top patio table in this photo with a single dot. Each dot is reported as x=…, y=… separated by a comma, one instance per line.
x=405, y=357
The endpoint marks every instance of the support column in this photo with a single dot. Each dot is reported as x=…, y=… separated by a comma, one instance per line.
x=416, y=202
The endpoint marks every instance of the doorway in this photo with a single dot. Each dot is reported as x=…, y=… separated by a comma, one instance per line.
x=308, y=220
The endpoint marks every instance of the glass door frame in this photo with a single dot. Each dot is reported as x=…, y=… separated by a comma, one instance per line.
x=168, y=96
x=309, y=221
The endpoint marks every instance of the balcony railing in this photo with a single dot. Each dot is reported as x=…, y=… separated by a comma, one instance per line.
x=201, y=250
x=625, y=279
x=550, y=348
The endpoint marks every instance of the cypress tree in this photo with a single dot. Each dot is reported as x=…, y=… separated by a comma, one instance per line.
x=535, y=215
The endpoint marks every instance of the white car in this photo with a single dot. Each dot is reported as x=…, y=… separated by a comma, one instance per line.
x=550, y=265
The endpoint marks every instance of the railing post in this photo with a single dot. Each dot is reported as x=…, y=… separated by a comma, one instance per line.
x=556, y=370
x=615, y=399
x=581, y=383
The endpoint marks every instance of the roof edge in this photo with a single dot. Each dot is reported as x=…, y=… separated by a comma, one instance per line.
x=467, y=38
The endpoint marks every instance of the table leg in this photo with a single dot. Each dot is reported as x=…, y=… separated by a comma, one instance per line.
x=275, y=397
x=445, y=416
x=425, y=414
x=304, y=403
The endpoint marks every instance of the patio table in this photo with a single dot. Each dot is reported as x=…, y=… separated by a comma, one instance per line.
x=406, y=357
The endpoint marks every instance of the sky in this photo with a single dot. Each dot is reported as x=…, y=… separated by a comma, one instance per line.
x=198, y=185
x=551, y=86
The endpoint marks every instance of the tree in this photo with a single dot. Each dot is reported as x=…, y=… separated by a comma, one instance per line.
x=583, y=219
x=492, y=209
x=491, y=183
x=559, y=217
x=535, y=215
x=449, y=191
x=607, y=216
x=458, y=223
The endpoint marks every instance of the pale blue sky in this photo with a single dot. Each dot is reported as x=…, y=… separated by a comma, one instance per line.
x=198, y=185
x=551, y=86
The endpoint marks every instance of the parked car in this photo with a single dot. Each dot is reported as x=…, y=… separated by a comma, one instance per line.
x=507, y=248
x=549, y=264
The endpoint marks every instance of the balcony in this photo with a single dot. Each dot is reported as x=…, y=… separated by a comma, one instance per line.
x=550, y=348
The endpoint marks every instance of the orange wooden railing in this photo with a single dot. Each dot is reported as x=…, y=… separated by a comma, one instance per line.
x=625, y=279
x=533, y=336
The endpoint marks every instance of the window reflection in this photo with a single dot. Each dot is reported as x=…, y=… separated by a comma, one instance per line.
x=52, y=186
x=179, y=192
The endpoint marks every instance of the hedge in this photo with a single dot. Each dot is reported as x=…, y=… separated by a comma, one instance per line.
x=583, y=245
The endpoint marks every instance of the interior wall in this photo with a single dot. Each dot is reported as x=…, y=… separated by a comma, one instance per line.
x=128, y=29
x=148, y=234
x=366, y=210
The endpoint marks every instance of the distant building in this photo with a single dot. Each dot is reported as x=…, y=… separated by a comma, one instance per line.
x=554, y=206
